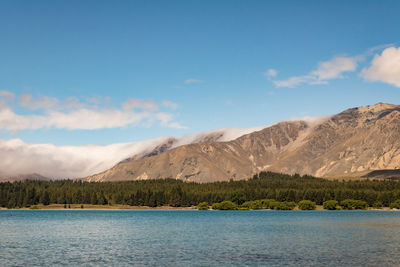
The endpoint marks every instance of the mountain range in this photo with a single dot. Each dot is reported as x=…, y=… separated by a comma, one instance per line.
x=352, y=143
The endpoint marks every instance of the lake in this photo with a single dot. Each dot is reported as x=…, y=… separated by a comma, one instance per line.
x=199, y=238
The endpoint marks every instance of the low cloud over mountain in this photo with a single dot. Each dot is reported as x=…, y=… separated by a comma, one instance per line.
x=20, y=158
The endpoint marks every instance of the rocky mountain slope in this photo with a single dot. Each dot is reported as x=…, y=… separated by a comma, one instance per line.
x=384, y=174
x=356, y=140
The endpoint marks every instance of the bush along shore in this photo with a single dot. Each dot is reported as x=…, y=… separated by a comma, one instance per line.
x=271, y=204
x=266, y=190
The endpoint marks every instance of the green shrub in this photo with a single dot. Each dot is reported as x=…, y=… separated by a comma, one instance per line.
x=395, y=205
x=307, y=205
x=283, y=205
x=225, y=205
x=203, y=206
x=330, y=205
x=351, y=204
x=360, y=205
x=252, y=205
x=347, y=204
x=266, y=203
x=34, y=207
x=377, y=205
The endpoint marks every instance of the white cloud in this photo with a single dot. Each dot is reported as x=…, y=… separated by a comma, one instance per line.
x=371, y=51
x=191, y=80
x=271, y=73
x=133, y=103
x=169, y=104
x=292, y=81
x=7, y=95
x=334, y=68
x=53, y=161
x=72, y=102
x=164, y=118
x=312, y=121
x=176, y=125
x=99, y=99
x=384, y=67
x=326, y=70
x=166, y=121
x=219, y=135
x=28, y=101
x=72, y=114
x=88, y=119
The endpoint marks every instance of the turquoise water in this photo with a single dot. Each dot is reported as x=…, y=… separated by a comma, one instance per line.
x=199, y=238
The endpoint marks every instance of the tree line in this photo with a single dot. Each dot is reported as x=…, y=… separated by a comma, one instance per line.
x=272, y=204
x=177, y=193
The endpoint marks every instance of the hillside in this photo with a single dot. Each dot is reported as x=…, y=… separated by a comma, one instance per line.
x=355, y=140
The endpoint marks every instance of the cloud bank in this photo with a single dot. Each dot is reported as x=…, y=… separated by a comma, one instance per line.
x=56, y=162
x=19, y=158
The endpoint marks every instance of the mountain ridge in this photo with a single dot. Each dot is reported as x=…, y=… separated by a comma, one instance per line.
x=357, y=139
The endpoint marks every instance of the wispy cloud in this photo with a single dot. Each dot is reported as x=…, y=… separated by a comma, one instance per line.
x=73, y=114
x=325, y=71
x=169, y=104
x=271, y=73
x=135, y=103
x=166, y=121
x=371, y=51
x=293, y=81
x=334, y=68
x=7, y=95
x=192, y=80
x=45, y=102
x=384, y=67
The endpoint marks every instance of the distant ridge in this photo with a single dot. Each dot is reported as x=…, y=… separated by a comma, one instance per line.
x=356, y=140
x=33, y=176
x=385, y=174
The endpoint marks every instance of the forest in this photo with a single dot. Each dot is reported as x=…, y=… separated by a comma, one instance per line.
x=177, y=193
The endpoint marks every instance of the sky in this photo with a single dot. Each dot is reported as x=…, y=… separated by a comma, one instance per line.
x=103, y=72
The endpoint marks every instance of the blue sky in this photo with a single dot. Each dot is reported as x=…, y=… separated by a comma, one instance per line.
x=102, y=72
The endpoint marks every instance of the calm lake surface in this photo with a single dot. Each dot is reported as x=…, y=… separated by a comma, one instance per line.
x=199, y=238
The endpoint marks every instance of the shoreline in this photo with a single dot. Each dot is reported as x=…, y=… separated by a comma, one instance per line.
x=99, y=207
x=144, y=208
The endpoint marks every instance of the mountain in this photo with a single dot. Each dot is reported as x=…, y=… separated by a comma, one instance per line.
x=22, y=177
x=217, y=135
x=352, y=142
x=384, y=174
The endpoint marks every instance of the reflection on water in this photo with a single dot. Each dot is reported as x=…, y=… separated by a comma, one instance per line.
x=200, y=238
